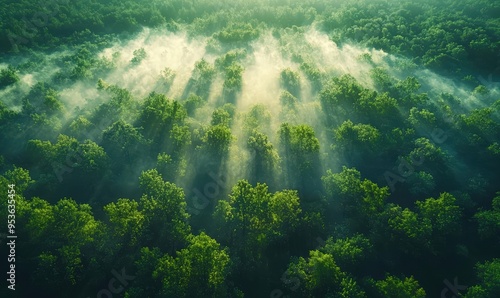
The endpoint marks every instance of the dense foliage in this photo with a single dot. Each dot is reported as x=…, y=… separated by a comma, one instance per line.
x=252, y=148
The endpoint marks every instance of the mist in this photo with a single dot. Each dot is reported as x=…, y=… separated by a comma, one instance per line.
x=264, y=60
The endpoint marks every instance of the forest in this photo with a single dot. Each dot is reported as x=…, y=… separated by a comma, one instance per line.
x=265, y=148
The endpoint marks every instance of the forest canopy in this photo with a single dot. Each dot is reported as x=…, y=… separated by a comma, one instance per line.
x=263, y=148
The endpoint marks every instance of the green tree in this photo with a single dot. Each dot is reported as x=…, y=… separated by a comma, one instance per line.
x=122, y=141
x=8, y=76
x=217, y=139
x=488, y=274
x=290, y=81
x=139, y=55
x=126, y=221
x=443, y=214
x=299, y=150
x=70, y=161
x=192, y=103
x=379, y=108
x=221, y=116
x=393, y=287
x=320, y=276
x=237, y=32
x=338, y=97
x=258, y=118
x=229, y=58
x=356, y=141
x=80, y=127
x=164, y=207
x=71, y=232
x=121, y=105
x=202, y=77
x=421, y=184
x=169, y=168
x=264, y=161
x=354, y=200
x=199, y=270
x=489, y=220
x=429, y=157
x=288, y=101
x=233, y=81
x=253, y=217
x=42, y=100
x=405, y=230
x=349, y=252
x=383, y=81
x=158, y=118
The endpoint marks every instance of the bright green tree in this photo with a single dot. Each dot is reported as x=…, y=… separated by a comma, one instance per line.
x=393, y=287
x=199, y=270
x=164, y=208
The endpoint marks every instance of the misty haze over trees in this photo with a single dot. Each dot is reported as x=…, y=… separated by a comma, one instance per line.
x=251, y=148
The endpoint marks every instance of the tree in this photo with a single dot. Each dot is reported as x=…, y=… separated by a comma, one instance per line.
x=258, y=118
x=349, y=252
x=159, y=113
x=71, y=232
x=42, y=99
x=199, y=270
x=383, y=81
x=73, y=223
x=393, y=287
x=192, y=103
x=122, y=141
x=354, y=200
x=489, y=220
x=233, y=81
x=356, y=141
x=264, y=161
x=81, y=127
x=421, y=119
x=122, y=105
x=146, y=264
x=126, y=221
x=406, y=91
x=164, y=208
x=169, y=168
x=217, y=139
x=405, y=230
x=442, y=214
x=253, y=217
x=72, y=162
x=320, y=276
x=37, y=216
x=221, y=116
x=338, y=97
x=313, y=74
x=378, y=108
x=488, y=274
x=299, y=149
x=139, y=55
x=430, y=157
x=202, y=77
x=237, y=32
x=288, y=101
x=19, y=177
x=480, y=127
x=229, y=58
x=290, y=81
x=8, y=76
x=160, y=118
x=421, y=184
